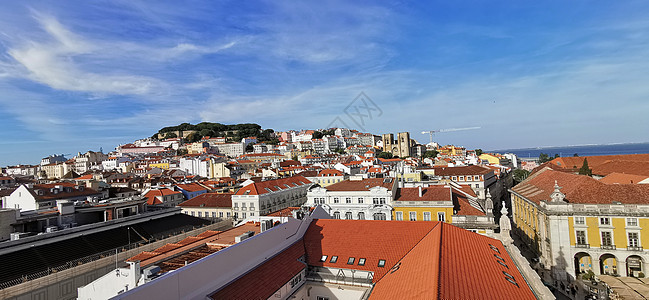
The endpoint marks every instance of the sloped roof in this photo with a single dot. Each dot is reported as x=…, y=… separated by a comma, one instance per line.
x=191, y=187
x=361, y=185
x=152, y=194
x=621, y=178
x=580, y=189
x=267, y=278
x=209, y=200
x=260, y=188
x=431, y=193
x=48, y=194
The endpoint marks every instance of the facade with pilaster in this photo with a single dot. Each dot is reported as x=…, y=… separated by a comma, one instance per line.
x=576, y=223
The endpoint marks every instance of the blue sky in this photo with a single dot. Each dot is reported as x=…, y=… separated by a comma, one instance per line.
x=80, y=75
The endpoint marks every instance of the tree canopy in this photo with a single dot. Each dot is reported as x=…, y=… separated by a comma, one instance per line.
x=430, y=153
x=385, y=155
x=236, y=131
x=585, y=170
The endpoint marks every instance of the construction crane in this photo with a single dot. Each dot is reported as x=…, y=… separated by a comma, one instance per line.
x=431, y=132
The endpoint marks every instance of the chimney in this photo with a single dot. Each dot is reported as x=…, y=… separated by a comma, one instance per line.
x=420, y=191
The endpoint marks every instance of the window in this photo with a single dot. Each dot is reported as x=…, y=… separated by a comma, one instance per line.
x=337, y=215
x=426, y=216
x=604, y=221
x=379, y=216
x=580, y=221
x=350, y=261
x=228, y=214
x=461, y=178
x=607, y=239
x=348, y=215
x=361, y=261
x=213, y=214
x=382, y=201
x=634, y=240
x=413, y=216
x=361, y=216
x=399, y=215
x=476, y=177
x=252, y=214
x=323, y=258
x=243, y=215
x=632, y=222
x=441, y=216
x=381, y=263
x=200, y=214
x=221, y=214
x=193, y=213
x=348, y=200
x=336, y=200
x=334, y=259
x=360, y=200
x=375, y=200
x=581, y=237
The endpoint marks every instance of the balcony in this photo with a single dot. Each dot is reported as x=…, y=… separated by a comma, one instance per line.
x=582, y=246
x=634, y=248
x=608, y=247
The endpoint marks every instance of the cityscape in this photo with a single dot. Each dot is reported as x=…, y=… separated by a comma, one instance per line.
x=324, y=150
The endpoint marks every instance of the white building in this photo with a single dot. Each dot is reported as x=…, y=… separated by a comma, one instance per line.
x=231, y=149
x=358, y=199
x=264, y=197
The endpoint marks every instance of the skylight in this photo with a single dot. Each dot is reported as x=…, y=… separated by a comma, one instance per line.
x=334, y=259
x=494, y=248
x=381, y=263
x=361, y=261
x=323, y=258
x=350, y=261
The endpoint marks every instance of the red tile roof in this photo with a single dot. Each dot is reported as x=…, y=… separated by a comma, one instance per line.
x=330, y=172
x=463, y=207
x=209, y=200
x=621, y=178
x=259, y=188
x=264, y=280
x=465, y=252
x=191, y=187
x=151, y=195
x=580, y=189
x=361, y=185
x=431, y=193
x=369, y=239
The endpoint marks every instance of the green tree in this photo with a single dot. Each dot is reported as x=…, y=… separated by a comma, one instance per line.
x=430, y=153
x=520, y=175
x=317, y=135
x=250, y=148
x=171, y=135
x=585, y=170
x=478, y=152
x=545, y=158
x=294, y=157
x=575, y=155
x=385, y=155
x=181, y=151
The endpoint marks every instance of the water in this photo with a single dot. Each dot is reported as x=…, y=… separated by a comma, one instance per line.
x=584, y=150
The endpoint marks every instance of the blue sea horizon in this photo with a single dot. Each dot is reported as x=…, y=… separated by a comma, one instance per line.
x=581, y=150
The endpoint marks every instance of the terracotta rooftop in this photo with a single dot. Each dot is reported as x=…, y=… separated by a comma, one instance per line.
x=361, y=185
x=621, y=178
x=580, y=189
x=191, y=187
x=152, y=194
x=260, y=188
x=209, y=200
x=267, y=278
x=431, y=193
x=48, y=192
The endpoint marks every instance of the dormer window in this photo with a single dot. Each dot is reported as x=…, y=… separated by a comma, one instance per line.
x=381, y=263
x=334, y=259
x=323, y=258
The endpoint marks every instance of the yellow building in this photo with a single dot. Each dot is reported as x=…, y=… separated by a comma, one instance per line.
x=160, y=165
x=451, y=150
x=410, y=176
x=491, y=158
x=443, y=203
x=576, y=223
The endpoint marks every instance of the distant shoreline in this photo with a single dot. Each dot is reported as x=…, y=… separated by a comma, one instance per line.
x=581, y=150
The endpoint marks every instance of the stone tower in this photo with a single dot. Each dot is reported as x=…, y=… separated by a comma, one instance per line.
x=401, y=147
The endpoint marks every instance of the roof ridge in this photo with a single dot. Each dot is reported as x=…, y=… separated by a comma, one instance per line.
x=439, y=265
